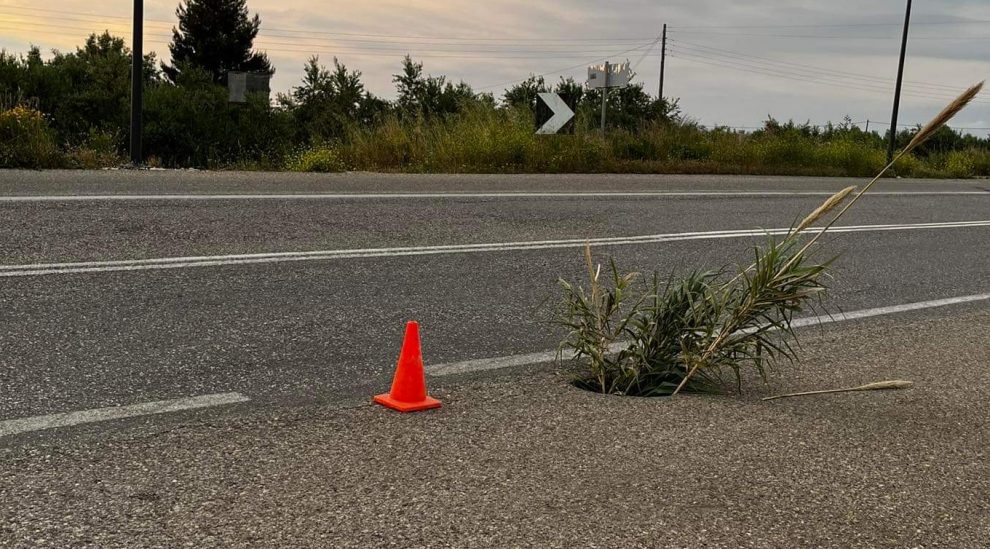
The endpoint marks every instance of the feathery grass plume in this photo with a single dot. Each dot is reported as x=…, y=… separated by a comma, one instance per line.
x=943, y=117
x=827, y=206
x=683, y=335
x=876, y=386
x=796, y=259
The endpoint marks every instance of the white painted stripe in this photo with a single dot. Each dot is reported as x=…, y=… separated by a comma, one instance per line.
x=246, y=259
x=497, y=363
x=38, y=423
x=461, y=195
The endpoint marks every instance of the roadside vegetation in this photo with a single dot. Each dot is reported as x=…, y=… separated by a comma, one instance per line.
x=698, y=333
x=71, y=110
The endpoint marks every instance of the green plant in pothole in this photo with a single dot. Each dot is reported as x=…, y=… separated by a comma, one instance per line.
x=699, y=333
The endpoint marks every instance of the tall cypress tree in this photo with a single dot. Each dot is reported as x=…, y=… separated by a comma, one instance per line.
x=217, y=36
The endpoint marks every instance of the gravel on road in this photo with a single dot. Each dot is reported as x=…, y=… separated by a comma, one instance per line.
x=525, y=460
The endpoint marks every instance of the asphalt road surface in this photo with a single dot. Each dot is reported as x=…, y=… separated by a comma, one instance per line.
x=96, y=312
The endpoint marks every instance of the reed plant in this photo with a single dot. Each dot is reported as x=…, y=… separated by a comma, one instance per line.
x=698, y=333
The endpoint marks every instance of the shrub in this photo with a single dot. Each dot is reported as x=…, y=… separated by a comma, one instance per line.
x=26, y=140
x=100, y=149
x=321, y=158
x=648, y=343
x=690, y=332
x=968, y=163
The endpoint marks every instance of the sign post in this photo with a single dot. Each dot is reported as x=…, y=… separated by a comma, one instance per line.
x=608, y=76
x=605, y=95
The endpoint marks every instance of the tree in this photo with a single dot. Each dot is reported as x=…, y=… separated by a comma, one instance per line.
x=216, y=36
x=328, y=103
x=83, y=92
x=523, y=94
x=428, y=96
x=629, y=108
x=569, y=91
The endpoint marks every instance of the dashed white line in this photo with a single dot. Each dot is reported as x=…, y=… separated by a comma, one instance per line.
x=68, y=419
x=498, y=363
x=460, y=195
x=246, y=259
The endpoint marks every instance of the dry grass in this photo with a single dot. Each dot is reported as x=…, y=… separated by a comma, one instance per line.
x=699, y=326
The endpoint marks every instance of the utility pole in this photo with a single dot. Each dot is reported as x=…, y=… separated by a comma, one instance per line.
x=867, y=130
x=137, y=82
x=663, y=58
x=897, y=89
x=605, y=94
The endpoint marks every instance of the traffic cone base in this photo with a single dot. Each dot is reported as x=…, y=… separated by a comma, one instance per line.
x=389, y=402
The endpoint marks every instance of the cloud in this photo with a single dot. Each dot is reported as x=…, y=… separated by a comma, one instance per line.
x=730, y=62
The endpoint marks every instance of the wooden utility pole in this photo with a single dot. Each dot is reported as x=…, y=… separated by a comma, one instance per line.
x=663, y=58
x=897, y=89
x=137, y=82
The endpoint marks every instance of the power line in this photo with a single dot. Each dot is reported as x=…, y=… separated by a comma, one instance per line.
x=821, y=80
x=831, y=25
x=919, y=124
x=564, y=42
x=804, y=67
x=555, y=71
x=832, y=37
x=400, y=48
x=327, y=33
x=564, y=49
x=778, y=73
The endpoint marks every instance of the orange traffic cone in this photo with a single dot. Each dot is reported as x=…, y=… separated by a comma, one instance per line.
x=408, y=392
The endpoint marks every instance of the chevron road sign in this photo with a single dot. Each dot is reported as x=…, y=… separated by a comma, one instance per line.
x=561, y=114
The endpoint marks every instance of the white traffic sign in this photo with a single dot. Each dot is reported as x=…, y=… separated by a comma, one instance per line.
x=617, y=76
x=562, y=114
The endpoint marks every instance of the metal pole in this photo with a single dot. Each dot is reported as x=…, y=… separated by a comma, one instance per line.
x=137, y=82
x=897, y=89
x=605, y=95
x=663, y=58
x=867, y=126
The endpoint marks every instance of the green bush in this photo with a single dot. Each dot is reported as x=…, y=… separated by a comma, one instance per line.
x=26, y=140
x=100, y=149
x=193, y=124
x=968, y=163
x=322, y=159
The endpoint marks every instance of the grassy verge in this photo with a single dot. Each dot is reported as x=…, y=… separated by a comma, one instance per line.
x=486, y=140
x=499, y=141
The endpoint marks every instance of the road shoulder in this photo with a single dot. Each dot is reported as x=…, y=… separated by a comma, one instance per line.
x=525, y=459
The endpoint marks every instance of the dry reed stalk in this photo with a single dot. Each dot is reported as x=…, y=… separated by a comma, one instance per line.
x=877, y=386
x=827, y=206
x=942, y=118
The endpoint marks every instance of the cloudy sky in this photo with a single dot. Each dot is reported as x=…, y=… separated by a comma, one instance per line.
x=730, y=62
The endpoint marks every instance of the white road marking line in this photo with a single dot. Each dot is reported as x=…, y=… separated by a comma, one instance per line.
x=498, y=363
x=38, y=423
x=455, y=195
x=246, y=259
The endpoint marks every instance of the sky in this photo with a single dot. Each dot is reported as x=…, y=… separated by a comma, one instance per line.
x=731, y=63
